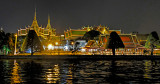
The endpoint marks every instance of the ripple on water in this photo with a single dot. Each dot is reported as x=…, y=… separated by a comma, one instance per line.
x=79, y=71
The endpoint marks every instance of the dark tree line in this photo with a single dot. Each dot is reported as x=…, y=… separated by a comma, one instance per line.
x=7, y=39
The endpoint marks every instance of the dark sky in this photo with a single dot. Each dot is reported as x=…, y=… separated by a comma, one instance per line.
x=128, y=15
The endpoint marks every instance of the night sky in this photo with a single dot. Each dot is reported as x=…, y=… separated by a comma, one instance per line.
x=142, y=16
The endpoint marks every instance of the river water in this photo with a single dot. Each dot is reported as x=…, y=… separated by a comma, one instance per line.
x=79, y=71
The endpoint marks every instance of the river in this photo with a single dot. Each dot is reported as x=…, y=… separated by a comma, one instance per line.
x=27, y=71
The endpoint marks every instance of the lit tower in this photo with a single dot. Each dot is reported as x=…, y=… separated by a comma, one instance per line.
x=34, y=25
x=49, y=28
x=49, y=23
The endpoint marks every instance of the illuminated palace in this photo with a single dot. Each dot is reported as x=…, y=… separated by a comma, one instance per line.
x=43, y=32
x=46, y=34
x=72, y=34
x=134, y=42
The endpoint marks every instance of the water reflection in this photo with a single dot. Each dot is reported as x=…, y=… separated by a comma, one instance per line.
x=52, y=75
x=147, y=69
x=66, y=73
x=79, y=71
x=33, y=72
x=114, y=74
x=2, y=72
x=70, y=74
x=91, y=71
x=16, y=77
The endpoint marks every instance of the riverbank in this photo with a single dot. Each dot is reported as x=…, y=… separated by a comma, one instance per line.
x=84, y=57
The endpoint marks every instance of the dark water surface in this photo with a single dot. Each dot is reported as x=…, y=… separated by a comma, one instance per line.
x=79, y=71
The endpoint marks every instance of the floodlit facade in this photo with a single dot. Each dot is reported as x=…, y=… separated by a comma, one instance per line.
x=46, y=34
x=133, y=42
x=72, y=39
x=72, y=34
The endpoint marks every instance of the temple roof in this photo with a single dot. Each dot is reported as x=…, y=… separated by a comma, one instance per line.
x=103, y=30
x=142, y=36
x=126, y=39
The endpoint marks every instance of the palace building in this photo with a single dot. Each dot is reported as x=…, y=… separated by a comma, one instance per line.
x=46, y=34
x=72, y=34
x=133, y=42
x=48, y=31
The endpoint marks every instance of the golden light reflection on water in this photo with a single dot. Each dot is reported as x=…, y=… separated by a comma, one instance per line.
x=52, y=75
x=96, y=71
x=70, y=76
x=15, y=78
x=147, y=69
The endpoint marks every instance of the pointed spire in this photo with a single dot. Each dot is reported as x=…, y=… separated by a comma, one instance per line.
x=35, y=15
x=48, y=19
x=49, y=24
x=35, y=23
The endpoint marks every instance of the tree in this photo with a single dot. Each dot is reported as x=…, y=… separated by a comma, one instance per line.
x=91, y=35
x=32, y=41
x=114, y=42
x=6, y=39
x=2, y=39
x=152, y=41
x=9, y=41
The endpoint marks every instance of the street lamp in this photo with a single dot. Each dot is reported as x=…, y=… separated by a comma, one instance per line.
x=15, y=44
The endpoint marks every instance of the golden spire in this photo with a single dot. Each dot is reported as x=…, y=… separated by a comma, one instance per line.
x=49, y=24
x=48, y=19
x=35, y=15
x=35, y=23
